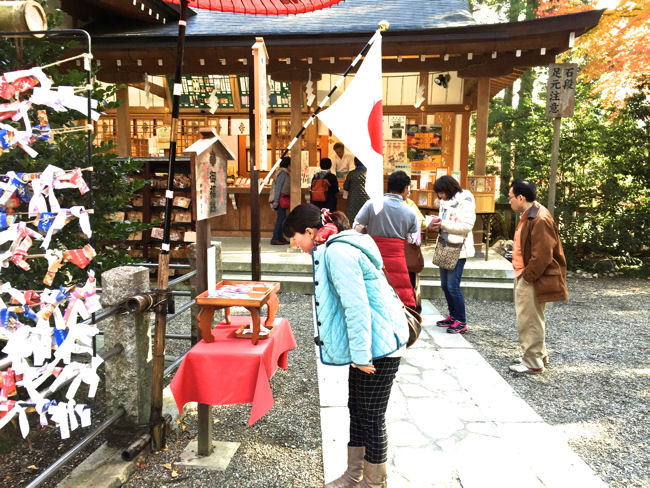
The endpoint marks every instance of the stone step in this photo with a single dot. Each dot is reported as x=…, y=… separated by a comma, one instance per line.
x=429, y=272
x=430, y=288
x=480, y=290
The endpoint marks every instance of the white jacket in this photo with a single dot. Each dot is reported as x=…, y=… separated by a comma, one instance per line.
x=458, y=217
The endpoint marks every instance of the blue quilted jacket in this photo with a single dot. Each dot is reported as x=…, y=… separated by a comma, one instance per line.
x=358, y=315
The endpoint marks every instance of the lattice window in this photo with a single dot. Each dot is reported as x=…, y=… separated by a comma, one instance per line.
x=105, y=131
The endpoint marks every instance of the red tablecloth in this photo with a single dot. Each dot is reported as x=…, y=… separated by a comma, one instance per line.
x=231, y=370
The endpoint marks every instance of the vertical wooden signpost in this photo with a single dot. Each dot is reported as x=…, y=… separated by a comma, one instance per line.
x=208, y=161
x=259, y=99
x=560, y=101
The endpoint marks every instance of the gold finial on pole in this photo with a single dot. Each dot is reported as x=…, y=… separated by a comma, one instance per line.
x=383, y=25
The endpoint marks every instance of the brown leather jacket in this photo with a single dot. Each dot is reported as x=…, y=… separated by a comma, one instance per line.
x=544, y=261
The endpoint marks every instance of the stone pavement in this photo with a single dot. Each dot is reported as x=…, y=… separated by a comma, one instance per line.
x=454, y=422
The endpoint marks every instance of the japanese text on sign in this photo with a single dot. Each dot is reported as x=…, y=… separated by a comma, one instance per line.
x=560, y=90
x=210, y=185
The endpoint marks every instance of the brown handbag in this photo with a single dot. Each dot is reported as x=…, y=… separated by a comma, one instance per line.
x=414, y=258
x=446, y=254
x=413, y=318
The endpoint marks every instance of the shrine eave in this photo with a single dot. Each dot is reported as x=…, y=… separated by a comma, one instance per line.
x=493, y=50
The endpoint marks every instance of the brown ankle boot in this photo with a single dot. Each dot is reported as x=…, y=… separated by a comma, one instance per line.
x=354, y=473
x=374, y=475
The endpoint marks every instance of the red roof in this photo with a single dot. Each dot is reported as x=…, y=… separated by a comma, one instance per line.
x=263, y=7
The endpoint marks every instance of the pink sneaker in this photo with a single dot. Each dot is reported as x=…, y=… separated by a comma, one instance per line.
x=445, y=322
x=457, y=328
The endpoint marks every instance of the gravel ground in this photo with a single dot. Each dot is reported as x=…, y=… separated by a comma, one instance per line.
x=282, y=449
x=597, y=387
x=596, y=390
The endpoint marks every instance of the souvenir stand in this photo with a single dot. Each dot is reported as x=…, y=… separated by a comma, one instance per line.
x=46, y=346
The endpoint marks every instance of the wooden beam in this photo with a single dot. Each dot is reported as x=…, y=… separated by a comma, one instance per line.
x=301, y=73
x=410, y=109
x=296, y=125
x=505, y=63
x=480, y=65
x=482, y=112
x=157, y=90
x=123, y=124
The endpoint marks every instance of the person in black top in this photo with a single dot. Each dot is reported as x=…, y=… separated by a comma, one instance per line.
x=332, y=191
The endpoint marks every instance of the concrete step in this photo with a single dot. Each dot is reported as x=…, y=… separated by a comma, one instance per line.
x=480, y=290
x=430, y=288
x=429, y=272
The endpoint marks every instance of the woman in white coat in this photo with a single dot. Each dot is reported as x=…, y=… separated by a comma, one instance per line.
x=457, y=216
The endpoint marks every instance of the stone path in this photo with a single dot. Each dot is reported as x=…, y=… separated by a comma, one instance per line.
x=454, y=422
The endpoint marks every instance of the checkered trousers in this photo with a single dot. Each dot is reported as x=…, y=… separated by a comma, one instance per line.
x=368, y=396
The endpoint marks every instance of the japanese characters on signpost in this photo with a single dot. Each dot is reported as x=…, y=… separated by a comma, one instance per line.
x=560, y=99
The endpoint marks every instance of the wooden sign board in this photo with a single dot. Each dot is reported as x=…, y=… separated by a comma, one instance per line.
x=209, y=158
x=560, y=90
x=260, y=57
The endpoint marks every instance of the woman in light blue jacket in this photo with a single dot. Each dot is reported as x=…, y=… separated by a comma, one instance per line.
x=360, y=323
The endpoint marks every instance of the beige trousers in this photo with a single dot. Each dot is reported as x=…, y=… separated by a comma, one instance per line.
x=531, y=324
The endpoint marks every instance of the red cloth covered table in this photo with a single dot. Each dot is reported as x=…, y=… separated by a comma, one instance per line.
x=231, y=370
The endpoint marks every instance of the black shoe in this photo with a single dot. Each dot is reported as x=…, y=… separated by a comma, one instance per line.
x=276, y=242
x=445, y=322
x=457, y=328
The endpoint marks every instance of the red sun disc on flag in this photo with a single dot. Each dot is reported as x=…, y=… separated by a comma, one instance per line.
x=376, y=128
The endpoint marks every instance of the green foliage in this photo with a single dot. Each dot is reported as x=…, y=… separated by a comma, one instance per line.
x=603, y=182
x=111, y=186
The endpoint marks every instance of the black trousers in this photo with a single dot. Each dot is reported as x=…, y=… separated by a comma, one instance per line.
x=368, y=396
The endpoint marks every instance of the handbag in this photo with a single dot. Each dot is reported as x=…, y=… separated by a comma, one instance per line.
x=446, y=254
x=284, y=200
x=414, y=258
x=413, y=318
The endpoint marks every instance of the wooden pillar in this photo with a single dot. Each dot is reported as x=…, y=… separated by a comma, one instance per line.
x=123, y=124
x=204, y=446
x=424, y=80
x=482, y=111
x=296, y=124
x=464, y=148
x=311, y=134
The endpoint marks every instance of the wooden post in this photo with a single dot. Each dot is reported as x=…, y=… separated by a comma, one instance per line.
x=557, y=123
x=158, y=366
x=311, y=134
x=123, y=124
x=202, y=243
x=296, y=125
x=482, y=112
x=158, y=432
x=256, y=258
x=464, y=148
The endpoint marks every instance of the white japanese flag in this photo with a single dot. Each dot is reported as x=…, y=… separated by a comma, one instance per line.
x=356, y=118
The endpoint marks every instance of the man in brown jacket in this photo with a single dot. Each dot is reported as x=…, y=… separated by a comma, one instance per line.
x=540, y=274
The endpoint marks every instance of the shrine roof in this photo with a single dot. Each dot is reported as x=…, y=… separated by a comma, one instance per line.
x=349, y=16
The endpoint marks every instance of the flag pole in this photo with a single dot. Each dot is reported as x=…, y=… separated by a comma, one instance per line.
x=157, y=423
x=383, y=26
